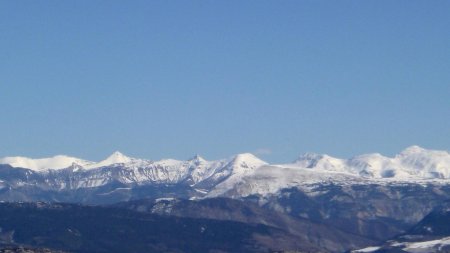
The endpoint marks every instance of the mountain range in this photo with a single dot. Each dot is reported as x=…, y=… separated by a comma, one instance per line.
x=345, y=204
x=413, y=163
x=239, y=176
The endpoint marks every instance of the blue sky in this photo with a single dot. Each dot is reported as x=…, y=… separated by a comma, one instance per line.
x=158, y=79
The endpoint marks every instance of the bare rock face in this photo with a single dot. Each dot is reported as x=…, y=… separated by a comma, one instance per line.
x=378, y=212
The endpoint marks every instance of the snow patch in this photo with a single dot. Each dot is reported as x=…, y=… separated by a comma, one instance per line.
x=368, y=249
x=427, y=245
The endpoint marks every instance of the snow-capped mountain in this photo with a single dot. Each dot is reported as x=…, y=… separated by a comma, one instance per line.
x=239, y=176
x=413, y=163
x=362, y=195
x=42, y=164
x=73, y=173
x=62, y=162
x=114, y=158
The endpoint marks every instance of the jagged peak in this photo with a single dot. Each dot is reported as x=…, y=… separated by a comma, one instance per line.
x=197, y=159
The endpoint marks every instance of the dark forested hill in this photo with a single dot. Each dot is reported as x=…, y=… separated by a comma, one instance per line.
x=76, y=228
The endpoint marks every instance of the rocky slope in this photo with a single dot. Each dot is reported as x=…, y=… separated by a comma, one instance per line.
x=430, y=235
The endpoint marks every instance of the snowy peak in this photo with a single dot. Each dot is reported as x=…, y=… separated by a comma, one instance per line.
x=425, y=163
x=413, y=163
x=416, y=151
x=63, y=161
x=410, y=164
x=115, y=158
x=320, y=162
x=412, y=150
x=42, y=164
x=246, y=161
x=249, y=159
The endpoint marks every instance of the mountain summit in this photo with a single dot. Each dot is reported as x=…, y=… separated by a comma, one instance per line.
x=115, y=158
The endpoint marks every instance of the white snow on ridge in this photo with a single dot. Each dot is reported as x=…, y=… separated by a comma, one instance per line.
x=63, y=162
x=114, y=158
x=368, y=249
x=56, y=162
x=413, y=163
x=436, y=245
x=427, y=246
x=270, y=179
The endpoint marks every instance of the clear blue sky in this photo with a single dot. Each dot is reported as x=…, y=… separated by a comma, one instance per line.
x=158, y=79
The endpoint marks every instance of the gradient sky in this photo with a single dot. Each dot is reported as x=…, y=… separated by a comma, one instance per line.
x=159, y=79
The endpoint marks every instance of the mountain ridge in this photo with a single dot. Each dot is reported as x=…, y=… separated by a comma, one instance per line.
x=413, y=164
x=307, y=160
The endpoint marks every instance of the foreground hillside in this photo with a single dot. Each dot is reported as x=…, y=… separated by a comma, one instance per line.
x=76, y=228
x=210, y=225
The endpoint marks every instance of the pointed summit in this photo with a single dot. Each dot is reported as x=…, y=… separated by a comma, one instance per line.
x=197, y=159
x=114, y=158
x=118, y=157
